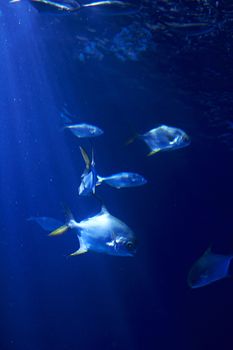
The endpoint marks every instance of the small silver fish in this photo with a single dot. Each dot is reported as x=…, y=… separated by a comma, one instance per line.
x=102, y=233
x=124, y=179
x=114, y=7
x=165, y=138
x=84, y=130
x=89, y=177
x=53, y=7
x=209, y=268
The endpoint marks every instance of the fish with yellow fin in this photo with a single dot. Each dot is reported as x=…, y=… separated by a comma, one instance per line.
x=89, y=177
x=164, y=138
x=102, y=233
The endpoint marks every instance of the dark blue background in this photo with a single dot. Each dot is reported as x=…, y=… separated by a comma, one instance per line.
x=48, y=300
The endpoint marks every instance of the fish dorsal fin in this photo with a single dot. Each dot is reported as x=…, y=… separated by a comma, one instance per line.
x=67, y=212
x=103, y=210
x=60, y=230
x=208, y=251
x=85, y=157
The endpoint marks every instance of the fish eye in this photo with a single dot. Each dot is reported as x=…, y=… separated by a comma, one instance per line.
x=129, y=245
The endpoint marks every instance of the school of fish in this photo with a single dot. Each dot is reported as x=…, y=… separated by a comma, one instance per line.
x=103, y=232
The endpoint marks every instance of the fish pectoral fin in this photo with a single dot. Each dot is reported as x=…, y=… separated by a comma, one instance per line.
x=60, y=230
x=81, y=250
x=153, y=152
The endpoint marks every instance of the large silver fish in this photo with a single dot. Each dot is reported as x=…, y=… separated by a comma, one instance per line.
x=164, y=138
x=102, y=233
x=209, y=268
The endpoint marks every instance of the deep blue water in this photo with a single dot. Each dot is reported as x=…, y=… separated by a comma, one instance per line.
x=95, y=301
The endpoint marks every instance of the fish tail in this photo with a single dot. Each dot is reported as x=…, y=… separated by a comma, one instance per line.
x=100, y=179
x=50, y=224
x=54, y=226
x=153, y=152
x=60, y=230
x=68, y=225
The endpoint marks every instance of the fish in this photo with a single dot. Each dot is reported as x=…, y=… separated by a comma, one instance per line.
x=124, y=179
x=89, y=177
x=209, y=268
x=102, y=233
x=84, y=130
x=114, y=7
x=164, y=138
x=53, y=7
x=186, y=25
x=72, y=6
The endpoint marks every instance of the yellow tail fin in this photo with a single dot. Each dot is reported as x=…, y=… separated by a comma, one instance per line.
x=60, y=230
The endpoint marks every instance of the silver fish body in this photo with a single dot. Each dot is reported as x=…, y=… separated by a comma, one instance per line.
x=102, y=233
x=84, y=130
x=105, y=233
x=165, y=138
x=88, y=182
x=113, y=7
x=124, y=179
x=55, y=7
